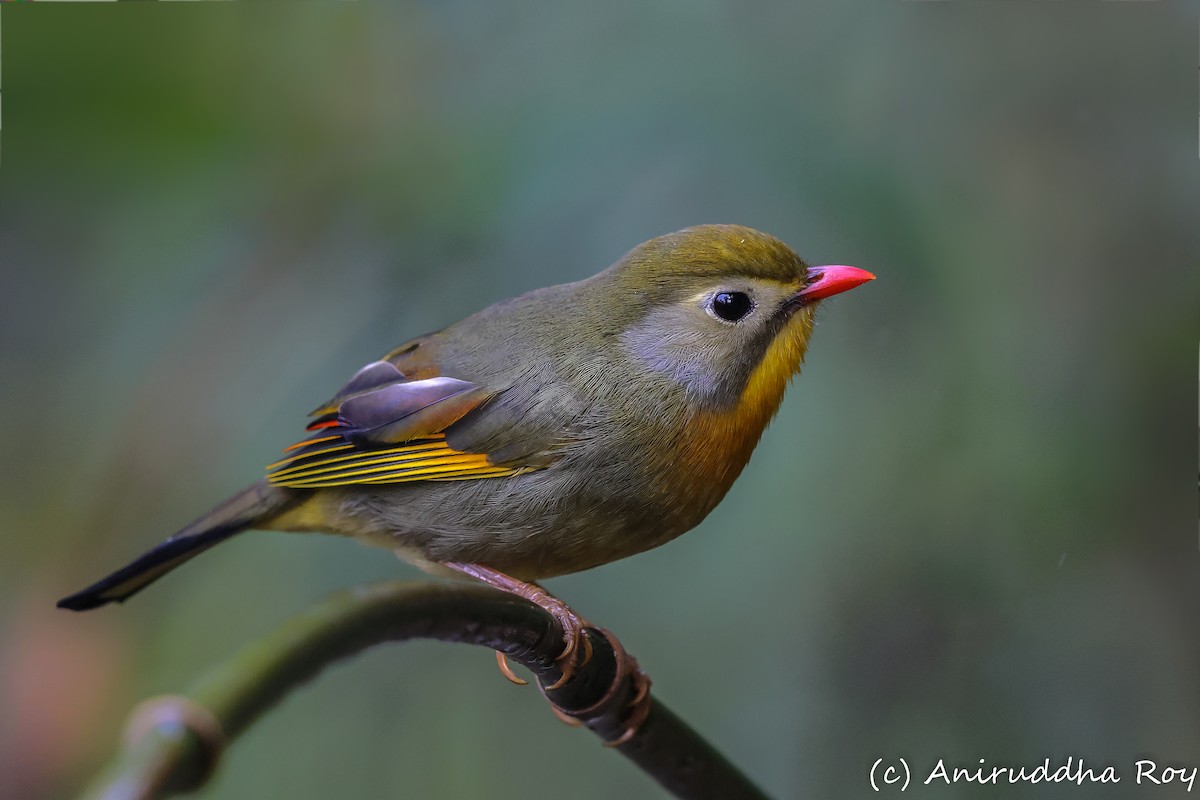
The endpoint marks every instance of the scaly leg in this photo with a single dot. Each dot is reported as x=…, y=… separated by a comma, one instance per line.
x=571, y=623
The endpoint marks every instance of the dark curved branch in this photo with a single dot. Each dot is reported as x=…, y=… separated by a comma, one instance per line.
x=174, y=743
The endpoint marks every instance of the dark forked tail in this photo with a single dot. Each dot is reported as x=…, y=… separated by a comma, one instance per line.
x=257, y=503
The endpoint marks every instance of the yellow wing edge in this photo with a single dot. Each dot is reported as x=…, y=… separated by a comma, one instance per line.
x=340, y=464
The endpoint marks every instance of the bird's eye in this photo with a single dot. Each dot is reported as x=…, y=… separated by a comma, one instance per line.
x=730, y=306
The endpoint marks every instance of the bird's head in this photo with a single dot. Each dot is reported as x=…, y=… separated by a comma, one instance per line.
x=724, y=311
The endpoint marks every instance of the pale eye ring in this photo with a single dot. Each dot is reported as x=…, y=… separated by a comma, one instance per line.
x=730, y=306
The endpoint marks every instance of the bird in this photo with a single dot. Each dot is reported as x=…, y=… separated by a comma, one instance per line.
x=569, y=427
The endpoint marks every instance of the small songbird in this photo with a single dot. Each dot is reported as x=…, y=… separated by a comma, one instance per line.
x=557, y=431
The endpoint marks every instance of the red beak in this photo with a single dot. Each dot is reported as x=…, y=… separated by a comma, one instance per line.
x=831, y=280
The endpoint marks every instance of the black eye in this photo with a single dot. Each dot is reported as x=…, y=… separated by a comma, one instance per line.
x=731, y=306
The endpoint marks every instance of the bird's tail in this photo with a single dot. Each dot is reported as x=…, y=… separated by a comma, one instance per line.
x=257, y=503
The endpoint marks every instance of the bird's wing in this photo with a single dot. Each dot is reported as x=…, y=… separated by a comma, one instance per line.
x=386, y=427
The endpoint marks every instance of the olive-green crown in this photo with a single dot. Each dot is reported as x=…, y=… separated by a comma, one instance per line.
x=710, y=251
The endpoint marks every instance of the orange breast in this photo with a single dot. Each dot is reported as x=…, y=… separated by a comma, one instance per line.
x=717, y=445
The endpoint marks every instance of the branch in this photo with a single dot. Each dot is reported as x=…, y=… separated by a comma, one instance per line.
x=174, y=743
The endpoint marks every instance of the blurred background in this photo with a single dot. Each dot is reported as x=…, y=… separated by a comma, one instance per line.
x=970, y=532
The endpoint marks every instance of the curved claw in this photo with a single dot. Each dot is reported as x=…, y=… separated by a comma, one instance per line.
x=587, y=651
x=570, y=667
x=506, y=670
x=639, y=704
x=572, y=637
x=567, y=673
x=571, y=623
x=639, y=707
x=629, y=702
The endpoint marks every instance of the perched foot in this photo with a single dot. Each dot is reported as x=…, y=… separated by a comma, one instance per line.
x=623, y=707
x=571, y=623
x=639, y=708
x=639, y=704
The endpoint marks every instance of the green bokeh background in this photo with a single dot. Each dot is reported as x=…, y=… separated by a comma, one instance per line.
x=968, y=534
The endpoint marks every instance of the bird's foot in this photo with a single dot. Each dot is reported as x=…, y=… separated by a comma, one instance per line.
x=571, y=623
x=638, y=707
x=625, y=703
x=573, y=636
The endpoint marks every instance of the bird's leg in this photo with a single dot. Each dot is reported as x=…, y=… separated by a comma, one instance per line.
x=571, y=623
